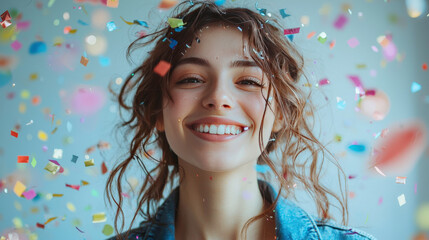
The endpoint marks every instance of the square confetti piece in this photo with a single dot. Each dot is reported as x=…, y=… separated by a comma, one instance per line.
x=74, y=158
x=23, y=159
x=111, y=26
x=52, y=167
x=111, y=3
x=340, y=22
x=16, y=45
x=401, y=200
x=58, y=153
x=19, y=188
x=401, y=180
x=13, y=133
x=89, y=163
x=162, y=68
x=98, y=217
x=415, y=87
x=322, y=37
x=84, y=61
x=29, y=194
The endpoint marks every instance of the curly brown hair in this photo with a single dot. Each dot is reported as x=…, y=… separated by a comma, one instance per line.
x=283, y=65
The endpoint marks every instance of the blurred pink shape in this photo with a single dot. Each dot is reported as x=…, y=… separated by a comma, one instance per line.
x=389, y=51
x=353, y=42
x=87, y=100
x=340, y=22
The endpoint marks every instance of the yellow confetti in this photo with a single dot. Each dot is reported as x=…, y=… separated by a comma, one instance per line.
x=50, y=220
x=57, y=195
x=89, y=163
x=84, y=183
x=19, y=188
x=18, y=206
x=22, y=108
x=422, y=216
x=25, y=94
x=17, y=222
x=42, y=135
x=98, y=217
x=107, y=230
x=34, y=76
x=52, y=167
x=34, y=210
x=71, y=207
x=33, y=236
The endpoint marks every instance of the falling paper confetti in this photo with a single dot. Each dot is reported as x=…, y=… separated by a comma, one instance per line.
x=98, y=217
x=19, y=188
x=401, y=200
x=353, y=42
x=401, y=180
x=162, y=68
x=415, y=87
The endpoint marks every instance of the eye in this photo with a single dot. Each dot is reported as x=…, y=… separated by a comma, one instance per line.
x=251, y=82
x=189, y=80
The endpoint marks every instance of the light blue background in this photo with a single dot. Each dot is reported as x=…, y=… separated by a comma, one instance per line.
x=385, y=221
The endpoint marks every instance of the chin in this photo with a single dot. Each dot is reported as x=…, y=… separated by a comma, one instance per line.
x=214, y=164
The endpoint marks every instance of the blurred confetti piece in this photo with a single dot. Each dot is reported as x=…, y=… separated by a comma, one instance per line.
x=29, y=194
x=87, y=100
x=323, y=82
x=42, y=135
x=374, y=48
x=415, y=7
x=50, y=220
x=375, y=104
x=84, y=183
x=37, y=47
x=341, y=104
x=58, y=153
x=84, y=61
x=310, y=35
x=103, y=168
x=58, y=164
x=33, y=162
x=415, y=87
x=98, y=217
x=379, y=171
x=23, y=159
x=332, y=44
x=71, y=207
x=19, y=188
x=401, y=180
x=401, y=200
x=57, y=195
x=380, y=200
x=52, y=167
x=13, y=133
x=175, y=22
x=291, y=31
x=39, y=225
x=111, y=26
x=283, y=13
x=425, y=66
x=359, y=148
x=75, y=187
x=89, y=163
x=111, y=3
x=400, y=149
x=107, y=230
x=166, y=4
x=322, y=37
x=16, y=45
x=74, y=158
x=340, y=22
x=6, y=19
x=80, y=230
x=162, y=68
x=422, y=216
x=353, y=42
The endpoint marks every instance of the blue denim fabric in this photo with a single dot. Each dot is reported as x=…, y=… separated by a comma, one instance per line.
x=292, y=222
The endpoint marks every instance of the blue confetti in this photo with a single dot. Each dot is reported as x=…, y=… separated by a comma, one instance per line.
x=104, y=61
x=74, y=159
x=37, y=47
x=219, y=2
x=283, y=13
x=173, y=43
x=290, y=36
x=262, y=168
x=5, y=77
x=141, y=23
x=341, y=104
x=357, y=148
x=82, y=23
x=111, y=26
x=415, y=87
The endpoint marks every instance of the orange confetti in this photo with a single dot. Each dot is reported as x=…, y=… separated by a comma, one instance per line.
x=162, y=68
x=50, y=220
x=310, y=35
x=36, y=100
x=332, y=44
x=23, y=159
x=425, y=66
x=166, y=4
x=84, y=61
x=103, y=168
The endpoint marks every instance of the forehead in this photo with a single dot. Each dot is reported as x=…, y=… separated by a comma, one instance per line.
x=219, y=41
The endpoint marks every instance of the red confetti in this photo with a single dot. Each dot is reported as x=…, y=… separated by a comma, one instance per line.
x=73, y=186
x=13, y=133
x=103, y=168
x=39, y=225
x=425, y=66
x=23, y=159
x=162, y=68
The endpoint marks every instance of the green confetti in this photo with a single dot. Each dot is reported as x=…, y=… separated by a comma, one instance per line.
x=33, y=162
x=175, y=22
x=107, y=230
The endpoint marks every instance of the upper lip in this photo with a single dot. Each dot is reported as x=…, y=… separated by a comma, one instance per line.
x=216, y=121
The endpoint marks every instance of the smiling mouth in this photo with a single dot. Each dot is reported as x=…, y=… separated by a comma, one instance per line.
x=218, y=129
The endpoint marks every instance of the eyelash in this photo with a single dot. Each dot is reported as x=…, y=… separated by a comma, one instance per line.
x=253, y=82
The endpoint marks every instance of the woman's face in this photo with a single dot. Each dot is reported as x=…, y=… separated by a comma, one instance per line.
x=214, y=122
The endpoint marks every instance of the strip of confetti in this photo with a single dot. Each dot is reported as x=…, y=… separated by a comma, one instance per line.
x=379, y=171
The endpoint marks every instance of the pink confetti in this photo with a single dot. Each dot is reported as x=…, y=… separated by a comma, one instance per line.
x=30, y=194
x=87, y=100
x=380, y=200
x=353, y=42
x=291, y=31
x=16, y=45
x=374, y=48
x=45, y=148
x=23, y=25
x=324, y=81
x=76, y=187
x=415, y=188
x=373, y=73
x=340, y=22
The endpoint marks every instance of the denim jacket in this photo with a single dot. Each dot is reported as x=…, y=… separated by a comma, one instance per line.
x=292, y=222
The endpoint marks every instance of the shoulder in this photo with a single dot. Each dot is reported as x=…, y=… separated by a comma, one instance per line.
x=136, y=233
x=332, y=230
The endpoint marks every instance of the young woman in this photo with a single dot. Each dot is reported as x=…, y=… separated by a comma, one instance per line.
x=225, y=102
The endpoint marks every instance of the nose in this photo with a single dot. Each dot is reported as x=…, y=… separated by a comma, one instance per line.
x=217, y=97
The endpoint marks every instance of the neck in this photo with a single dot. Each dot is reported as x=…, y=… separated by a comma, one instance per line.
x=211, y=201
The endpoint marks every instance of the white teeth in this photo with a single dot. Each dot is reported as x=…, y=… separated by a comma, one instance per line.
x=219, y=129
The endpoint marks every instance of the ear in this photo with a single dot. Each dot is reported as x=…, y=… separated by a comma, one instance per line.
x=160, y=123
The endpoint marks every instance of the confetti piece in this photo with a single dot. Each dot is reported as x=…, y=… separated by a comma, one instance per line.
x=341, y=104
x=103, y=168
x=84, y=61
x=82, y=23
x=425, y=66
x=166, y=4
x=353, y=42
x=422, y=218
x=19, y=188
x=58, y=164
x=401, y=180
x=57, y=195
x=29, y=194
x=5, y=19
x=324, y=81
x=173, y=43
x=75, y=187
x=111, y=26
x=415, y=87
x=310, y=35
x=89, y=163
x=39, y=225
x=37, y=47
x=23, y=159
x=322, y=37
x=262, y=168
x=401, y=200
x=33, y=162
x=79, y=230
x=283, y=13
x=340, y=22
x=175, y=22
x=379, y=171
x=16, y=45
x=42, y=135
x=415, y=188
x=111, y=3
x=71, y=207
x=357, y=148
x=374, y=48
x=84, y=183
x=332, y=44
x=162, y=68
x=13, y=133
x=50, y=220
x=291, y=31
x=74, y=158
x=107, y=230
x=58, y=153
x=52, y=167
x=98, y=217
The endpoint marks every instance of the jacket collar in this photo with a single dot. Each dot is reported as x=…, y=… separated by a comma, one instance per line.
x=292, y=222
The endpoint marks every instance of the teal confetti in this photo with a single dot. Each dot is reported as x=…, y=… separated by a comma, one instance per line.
x=111, y=26
x=262, y=168
x=341, y=104
x=82, y=23
x=359, y=148
x=104, y=61
x=283, y=13
x=37, y=47
x=415, y=87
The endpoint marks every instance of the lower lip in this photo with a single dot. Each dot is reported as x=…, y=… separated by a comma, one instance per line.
x=215, y=137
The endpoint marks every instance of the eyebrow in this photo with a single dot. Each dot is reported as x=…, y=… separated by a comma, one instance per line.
x=205, y=63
